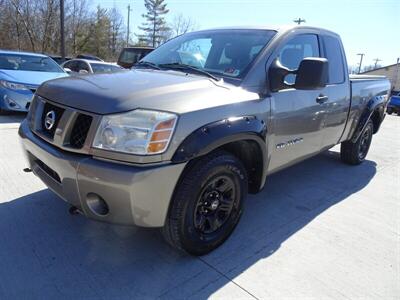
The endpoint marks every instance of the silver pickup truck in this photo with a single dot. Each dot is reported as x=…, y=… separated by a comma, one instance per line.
x=180, y=140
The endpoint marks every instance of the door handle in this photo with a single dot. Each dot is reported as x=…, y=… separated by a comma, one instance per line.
x=321, y=99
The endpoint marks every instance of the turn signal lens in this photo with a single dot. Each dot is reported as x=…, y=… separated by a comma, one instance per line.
x=169, y=124
x=156, y=147
x=161, y=136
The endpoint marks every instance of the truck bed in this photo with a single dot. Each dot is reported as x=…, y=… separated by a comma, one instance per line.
x=364, y=89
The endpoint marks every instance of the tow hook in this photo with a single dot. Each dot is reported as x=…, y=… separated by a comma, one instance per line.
x=73, y=210
x=27, y=170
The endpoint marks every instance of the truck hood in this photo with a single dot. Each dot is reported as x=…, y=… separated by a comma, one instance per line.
x=149, y=89
x=34, y=78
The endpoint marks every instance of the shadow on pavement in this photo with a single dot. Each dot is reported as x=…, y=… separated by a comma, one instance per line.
x=46, y=253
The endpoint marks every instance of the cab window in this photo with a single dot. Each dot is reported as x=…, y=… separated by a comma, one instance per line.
x=333, y=52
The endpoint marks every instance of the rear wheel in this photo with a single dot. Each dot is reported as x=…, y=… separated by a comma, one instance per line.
x=389, y=110
x=207, y=204
x=355, y=153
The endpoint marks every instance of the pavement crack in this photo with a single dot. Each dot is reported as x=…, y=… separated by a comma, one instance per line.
x=226, y=277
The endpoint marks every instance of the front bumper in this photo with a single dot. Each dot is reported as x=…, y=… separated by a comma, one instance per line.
x=134, y=195
x=15, y=100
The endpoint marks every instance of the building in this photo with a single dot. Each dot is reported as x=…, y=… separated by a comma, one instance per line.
x=392, y=72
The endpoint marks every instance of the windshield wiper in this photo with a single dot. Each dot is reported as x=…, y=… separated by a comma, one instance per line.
x=184, y=67
x=144, y=63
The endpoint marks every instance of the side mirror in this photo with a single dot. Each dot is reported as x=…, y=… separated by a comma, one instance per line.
x=83, y=72
x=68, y=70
x=312, y=74
x=276, y=74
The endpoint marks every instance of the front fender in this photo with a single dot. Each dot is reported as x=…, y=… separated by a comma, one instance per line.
x=216, y=134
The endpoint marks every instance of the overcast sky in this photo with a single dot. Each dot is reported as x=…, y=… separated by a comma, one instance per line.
x=369, y=26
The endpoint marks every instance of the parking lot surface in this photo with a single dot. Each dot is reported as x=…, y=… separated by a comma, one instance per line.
x=320, y=230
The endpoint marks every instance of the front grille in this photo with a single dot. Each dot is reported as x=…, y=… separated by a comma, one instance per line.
x=49, y=171
x=80, y=130
x=70, y=129
x=58, y=111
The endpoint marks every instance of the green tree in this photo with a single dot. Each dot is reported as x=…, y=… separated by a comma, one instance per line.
x=155, y=27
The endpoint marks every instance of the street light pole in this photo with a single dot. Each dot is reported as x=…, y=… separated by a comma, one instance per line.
x=62, y=29
x=361, y=59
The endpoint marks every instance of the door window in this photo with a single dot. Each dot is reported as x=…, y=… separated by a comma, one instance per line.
x=72, y=65
x=301, y=46
x=83, y=66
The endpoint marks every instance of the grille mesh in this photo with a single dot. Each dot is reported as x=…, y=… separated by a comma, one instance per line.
x=49, y=171
x=80, y=131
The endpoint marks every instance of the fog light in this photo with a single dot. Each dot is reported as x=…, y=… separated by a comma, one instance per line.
x=97, y=204
x=11, y=103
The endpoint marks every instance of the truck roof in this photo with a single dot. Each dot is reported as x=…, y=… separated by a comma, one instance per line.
x=278, y=28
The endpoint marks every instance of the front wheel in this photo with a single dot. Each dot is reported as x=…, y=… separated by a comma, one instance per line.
x=207, y=203
x=355, y=153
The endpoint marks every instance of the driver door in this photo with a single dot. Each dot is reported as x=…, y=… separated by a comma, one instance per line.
x=297, y=118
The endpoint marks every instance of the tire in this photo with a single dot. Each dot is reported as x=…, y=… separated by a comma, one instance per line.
x=207, y=203
x=355, y=153
x=389, y=111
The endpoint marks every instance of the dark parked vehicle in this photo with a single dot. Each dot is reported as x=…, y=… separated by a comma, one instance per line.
x=59, y=59
x=394, y=104
x=179, y=142
x=131, y=55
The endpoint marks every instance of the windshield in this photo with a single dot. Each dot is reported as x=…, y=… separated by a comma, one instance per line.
x=28, y=63
x=226, y=53
x=104, y=68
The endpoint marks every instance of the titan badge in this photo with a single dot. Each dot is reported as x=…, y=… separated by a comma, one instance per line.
x=289, y=143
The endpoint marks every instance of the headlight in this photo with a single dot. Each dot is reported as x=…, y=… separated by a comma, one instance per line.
x=12, y=85
x=136, y=132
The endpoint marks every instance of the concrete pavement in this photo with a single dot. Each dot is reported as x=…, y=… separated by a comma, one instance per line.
x=319, y=230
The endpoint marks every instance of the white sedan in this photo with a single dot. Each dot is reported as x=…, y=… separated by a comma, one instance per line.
x=85, y=66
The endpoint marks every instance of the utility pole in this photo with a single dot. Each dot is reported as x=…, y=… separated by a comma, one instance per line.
x=376, y=62
x=127, y=33
x=361, y=58
x=62, y=29
x=299, y=21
